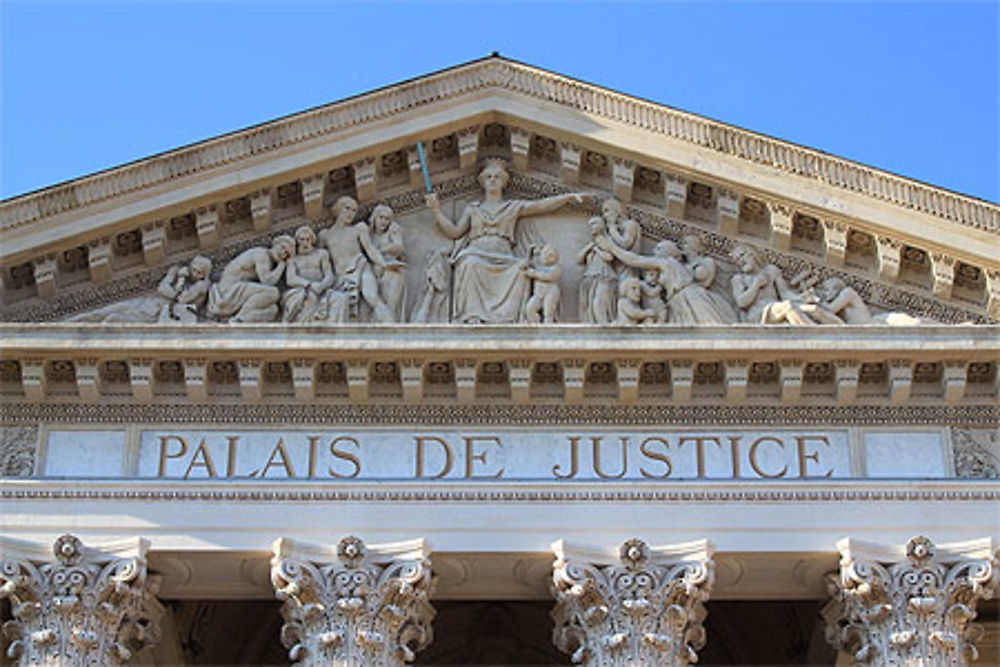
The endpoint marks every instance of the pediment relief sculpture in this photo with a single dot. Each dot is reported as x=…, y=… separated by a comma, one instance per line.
x=498, y=262
x=491, y=285
x=102, y=243
x=180, y=297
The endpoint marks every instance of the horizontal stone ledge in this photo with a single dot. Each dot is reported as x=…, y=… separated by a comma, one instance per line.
x=485, y=491
x=490, y=340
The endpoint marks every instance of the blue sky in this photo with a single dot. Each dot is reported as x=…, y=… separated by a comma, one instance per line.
x=913, y=88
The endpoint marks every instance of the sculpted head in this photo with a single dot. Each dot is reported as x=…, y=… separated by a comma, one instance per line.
x=305, y=237
x=746, y=257
x=494, y=176
x=282, y=247
x=596, y=225
x=631, y=289
x=651, y=276
x=380, y=219
x=666, y=249
x=201, y=267
x=693, y=245
x=832, y=286
x=611, y=209
x=345, y=209
x=549, y=255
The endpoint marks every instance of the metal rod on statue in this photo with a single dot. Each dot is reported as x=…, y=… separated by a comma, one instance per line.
x=423, y=167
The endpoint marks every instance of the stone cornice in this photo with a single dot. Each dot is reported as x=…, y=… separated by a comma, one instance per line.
x=500, y=74
x=558, y=340
x=217, y=365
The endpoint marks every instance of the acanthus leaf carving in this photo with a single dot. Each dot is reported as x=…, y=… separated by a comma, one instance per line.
x=79, y=606
x=353, y=604
x=912, y=605
x=636, y=605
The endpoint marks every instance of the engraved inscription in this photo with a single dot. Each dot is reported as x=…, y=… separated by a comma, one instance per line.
x=444, y=455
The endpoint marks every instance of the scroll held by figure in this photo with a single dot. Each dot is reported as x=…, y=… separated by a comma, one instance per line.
x=489, y=286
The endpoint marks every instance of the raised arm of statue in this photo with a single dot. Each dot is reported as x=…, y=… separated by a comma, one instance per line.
x=539, y=206
x=630, y=258
x=448, y=228
x=625, y=234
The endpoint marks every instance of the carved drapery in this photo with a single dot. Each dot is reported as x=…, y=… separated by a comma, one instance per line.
x=912, y=605
x=353, y=604
x=638, y=605
x=78, y=605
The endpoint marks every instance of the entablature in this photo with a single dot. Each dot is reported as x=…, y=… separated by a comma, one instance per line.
x=926, y=365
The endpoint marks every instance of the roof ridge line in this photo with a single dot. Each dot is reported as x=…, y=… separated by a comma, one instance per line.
x=527, y=79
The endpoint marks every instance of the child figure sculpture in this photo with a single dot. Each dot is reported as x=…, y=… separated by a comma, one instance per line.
x=630, y=310
x=652, y=295
x=543, y=306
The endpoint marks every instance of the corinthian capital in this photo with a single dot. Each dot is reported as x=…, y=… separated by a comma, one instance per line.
x=78, y=605
x=637, y=605
x=353, y=604
x=910, y=605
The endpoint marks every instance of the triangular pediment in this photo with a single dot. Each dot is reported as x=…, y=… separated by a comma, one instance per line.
x=113, y=237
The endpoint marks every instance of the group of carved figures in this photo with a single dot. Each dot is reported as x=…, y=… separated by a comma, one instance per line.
x=328, y=276
x=498, y=270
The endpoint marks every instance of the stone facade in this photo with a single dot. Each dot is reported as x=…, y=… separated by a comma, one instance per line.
x=409, y=360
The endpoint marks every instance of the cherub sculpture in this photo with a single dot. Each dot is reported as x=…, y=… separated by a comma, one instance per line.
x=543, y=306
